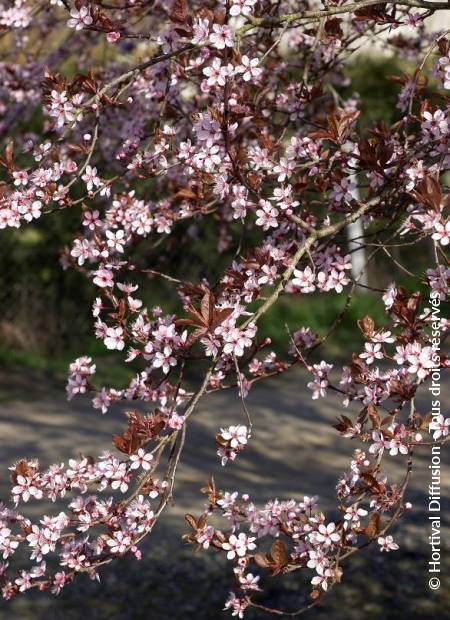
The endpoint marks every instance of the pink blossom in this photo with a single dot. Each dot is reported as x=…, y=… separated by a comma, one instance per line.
x=387, y=543
x=201, y=32
x=237, y=546
x=440, y=426
x=90, y=178
x=114, y=338
x=221, y=37
x=79, y=18
x=216, y=73
x=327, y=535
x=249, y=69
x=119, y=542
x=242, y=7
x=103, y=278
x=141, y=459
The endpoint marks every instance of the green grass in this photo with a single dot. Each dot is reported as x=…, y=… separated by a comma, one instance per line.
x=318, y=313
x=111, y=370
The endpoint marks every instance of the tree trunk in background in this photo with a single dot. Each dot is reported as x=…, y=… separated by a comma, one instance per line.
x=358, y=253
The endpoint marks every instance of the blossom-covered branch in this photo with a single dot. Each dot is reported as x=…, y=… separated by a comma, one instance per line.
x=231, y=121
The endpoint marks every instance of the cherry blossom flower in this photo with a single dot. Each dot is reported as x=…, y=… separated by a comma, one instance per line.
x=372, y=352
x=249, y=69
x=242, y=7
x=90, y=178
x=343, y=191
x=266, y=215
x=7, y=544
x=103, y=278
x=201, y=32
x=59, y=581
x=380, y=443
x=114, y=338
x=205, y=535
x=116, y=240
x=237, y=546
x=141, y=459
x=442, y=232
x=387, y=543
x=79, y=18
x=327, y=534
x=81, y=250
x=304, y=280
x=284, y=169
x=235, y=435
x=353, y=515
x=236, y=605
x=440, y=427
x=119, y=542
x=421, y=361
x=323, y=578
x=221, y=36
x=249, y=582
x=389, y=296
x=216, y=73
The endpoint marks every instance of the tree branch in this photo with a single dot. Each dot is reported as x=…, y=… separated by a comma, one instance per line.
x=274, y=22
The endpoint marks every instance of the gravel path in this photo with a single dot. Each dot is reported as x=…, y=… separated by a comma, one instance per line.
x=294, y=451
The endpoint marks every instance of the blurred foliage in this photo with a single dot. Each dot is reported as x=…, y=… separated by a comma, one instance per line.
x=318, y=312
x=45, y=303
x=378, y=94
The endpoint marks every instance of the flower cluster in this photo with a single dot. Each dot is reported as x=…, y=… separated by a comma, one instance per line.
x=72, y=535
x=231, y=441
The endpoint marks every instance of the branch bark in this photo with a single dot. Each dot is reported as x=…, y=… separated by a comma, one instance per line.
x=274, y=22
